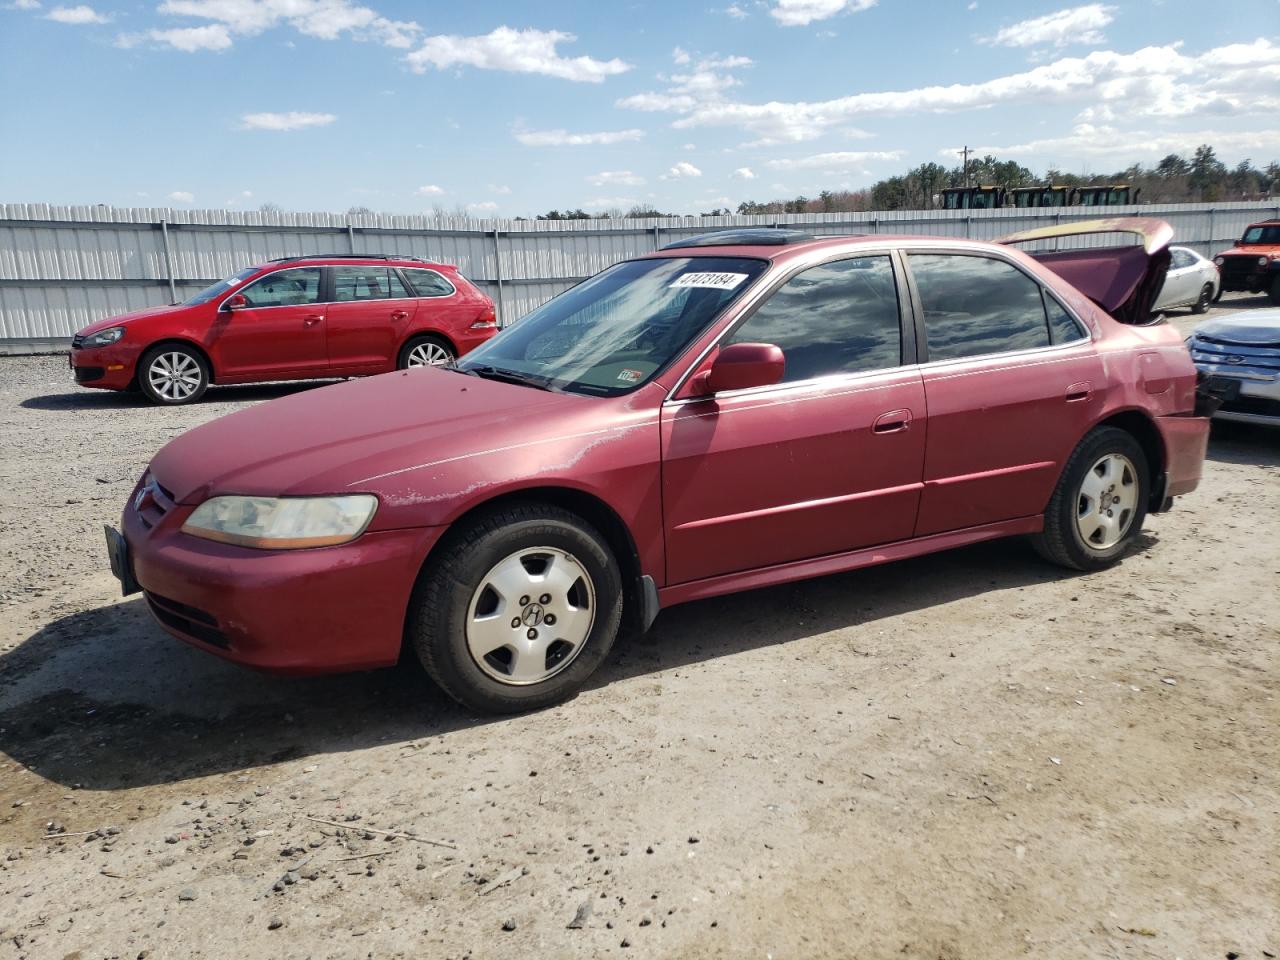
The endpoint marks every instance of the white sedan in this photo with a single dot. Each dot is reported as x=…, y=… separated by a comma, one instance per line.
x=1192, y=282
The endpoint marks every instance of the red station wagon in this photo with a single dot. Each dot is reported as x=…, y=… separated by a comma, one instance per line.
x=738, y=410
x=297, y=318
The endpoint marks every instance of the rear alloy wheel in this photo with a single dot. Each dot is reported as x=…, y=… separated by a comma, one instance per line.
x=173, y=375
x=516, y=609
x=1206, y=297
x=1100, y=502
x=425, y=352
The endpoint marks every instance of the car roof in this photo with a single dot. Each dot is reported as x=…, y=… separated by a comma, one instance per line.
x=327, y=259
x=804, y=246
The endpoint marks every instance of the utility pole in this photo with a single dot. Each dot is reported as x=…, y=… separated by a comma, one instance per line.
x=965, y=154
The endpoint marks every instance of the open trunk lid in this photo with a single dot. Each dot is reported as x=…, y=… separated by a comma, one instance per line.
x=1123, y=280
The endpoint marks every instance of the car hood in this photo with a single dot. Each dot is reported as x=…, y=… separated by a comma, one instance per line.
x=1257, y=328
x=1253, y=250
x=342, y=438
x=124, y=319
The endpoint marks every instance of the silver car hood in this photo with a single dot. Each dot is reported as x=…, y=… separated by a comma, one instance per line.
x=1257, y=328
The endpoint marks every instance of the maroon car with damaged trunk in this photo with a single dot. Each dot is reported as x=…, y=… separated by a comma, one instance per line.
x=736, y=410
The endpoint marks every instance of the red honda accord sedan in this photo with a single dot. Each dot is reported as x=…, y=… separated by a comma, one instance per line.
x=298, y=318
x=739, y=410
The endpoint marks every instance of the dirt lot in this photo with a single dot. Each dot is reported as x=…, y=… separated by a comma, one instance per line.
x=970, y=755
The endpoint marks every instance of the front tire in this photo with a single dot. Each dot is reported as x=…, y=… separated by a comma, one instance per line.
x=425, y=351
x=172, y=374
x=516, y=609
x=1206, y=297
x=1099, y=505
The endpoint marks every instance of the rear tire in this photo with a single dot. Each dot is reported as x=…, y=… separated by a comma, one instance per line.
x=516, y=609
x=172, y=374
x=1206, y=297
x=1099, y=504
x=425, y=351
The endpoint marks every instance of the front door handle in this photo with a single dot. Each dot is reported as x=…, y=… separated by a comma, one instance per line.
x=399, y=315
x=312, y=320
x=895, y=421
x=1079, y=391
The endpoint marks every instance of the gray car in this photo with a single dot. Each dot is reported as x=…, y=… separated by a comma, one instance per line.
x=1192, y=281
x=1243, y=353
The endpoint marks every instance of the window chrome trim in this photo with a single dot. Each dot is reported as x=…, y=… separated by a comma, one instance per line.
x=275, y=306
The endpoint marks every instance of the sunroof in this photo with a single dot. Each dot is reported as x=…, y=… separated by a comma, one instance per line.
x=761, y=236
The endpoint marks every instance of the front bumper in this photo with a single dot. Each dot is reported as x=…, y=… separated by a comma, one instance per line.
x=326, y=610
x=109, y=368
x=1245, y=274
x=1258, y=396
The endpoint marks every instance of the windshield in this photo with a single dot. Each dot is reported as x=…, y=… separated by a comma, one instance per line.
x=615, y=331
x=221, y=287
x=1261, y=234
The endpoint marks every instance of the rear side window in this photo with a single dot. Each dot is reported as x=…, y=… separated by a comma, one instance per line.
x=285, y=288
x=1063, y=328
x=427, y=283
x=360, y=283
x=977, y=305
x=1182, y=259
x=839, y=317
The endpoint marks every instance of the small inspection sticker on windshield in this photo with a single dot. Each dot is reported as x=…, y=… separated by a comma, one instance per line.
x=710, y=281
x=630, y=376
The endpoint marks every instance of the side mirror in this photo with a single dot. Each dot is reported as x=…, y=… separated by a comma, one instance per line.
x=237, y=301
x=742, y=365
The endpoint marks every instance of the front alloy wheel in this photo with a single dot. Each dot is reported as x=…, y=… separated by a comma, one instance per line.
x=173, y=375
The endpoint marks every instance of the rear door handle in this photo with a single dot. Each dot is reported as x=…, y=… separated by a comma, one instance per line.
x=895, y=421
x=1079, y=391
x=312, y=320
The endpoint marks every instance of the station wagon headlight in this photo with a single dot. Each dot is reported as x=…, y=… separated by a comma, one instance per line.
x=282, y=523
x=104, y=337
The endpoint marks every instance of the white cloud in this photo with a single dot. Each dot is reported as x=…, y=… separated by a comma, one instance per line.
x=500, y=189
x=292, y=120
x=1239, y=79
x=624, y=178
x=705, y=81
x=844, y=160
x=1074, y=25
x=681, y=170
x=563, y=138
x=212, y=36
x=515, y=51
x=744, y=173
x=77, y=16
x=24, y=5
x=182, y=196
x=800, y=13
x=484, y=206
x=429, y=190
x=322, y=19
x=680, y=56
x=736, y=12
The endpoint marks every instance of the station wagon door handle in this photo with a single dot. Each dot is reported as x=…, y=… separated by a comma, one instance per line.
x=399, y=315
x=895, y=421
x=312, y=320
x=1079, y=391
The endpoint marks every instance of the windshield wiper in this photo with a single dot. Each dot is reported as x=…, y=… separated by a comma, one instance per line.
x=511, y=376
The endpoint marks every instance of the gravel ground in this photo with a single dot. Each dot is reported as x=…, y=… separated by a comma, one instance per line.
x=969, y=755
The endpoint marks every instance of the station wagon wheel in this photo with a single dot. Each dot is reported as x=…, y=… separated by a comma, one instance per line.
x=173, y=374
x=1099, y=504
x=516, y=607
x=530, y=615
x=425, y=351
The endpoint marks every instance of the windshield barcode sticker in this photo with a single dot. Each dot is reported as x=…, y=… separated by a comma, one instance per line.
x=710, y=281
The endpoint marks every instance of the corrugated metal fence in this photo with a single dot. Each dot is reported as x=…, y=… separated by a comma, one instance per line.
x=64, y=267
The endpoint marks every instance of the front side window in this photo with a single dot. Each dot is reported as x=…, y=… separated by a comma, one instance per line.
x=615, y=331
x=360, y=283
x=427, y=283
x=977, y=305
x=285, y=288
x=840, y=317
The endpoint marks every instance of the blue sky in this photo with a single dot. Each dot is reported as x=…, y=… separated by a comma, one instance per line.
x=506, y=109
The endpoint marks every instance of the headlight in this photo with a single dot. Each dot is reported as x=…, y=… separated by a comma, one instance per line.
x=1263, y=261
x=104, y=337
x=1219, y=260
x=282, y=523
